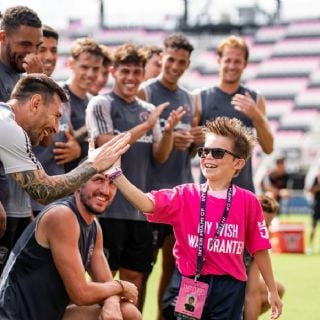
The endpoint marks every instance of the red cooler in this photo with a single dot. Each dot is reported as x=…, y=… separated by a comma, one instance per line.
x=287, y=237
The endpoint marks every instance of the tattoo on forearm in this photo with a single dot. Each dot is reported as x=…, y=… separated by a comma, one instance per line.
x=45, y=189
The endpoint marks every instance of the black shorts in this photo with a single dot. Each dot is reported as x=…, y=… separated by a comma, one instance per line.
x=225, y=298
x=316, y=214
x=128, y=244
x=159, y=232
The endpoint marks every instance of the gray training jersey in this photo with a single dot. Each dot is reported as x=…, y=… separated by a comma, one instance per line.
x=15, y=156
x=216, y=103
x=78, y=119
x=110, y=114
x=177, y=169
x=15, y=147
x=8, y=80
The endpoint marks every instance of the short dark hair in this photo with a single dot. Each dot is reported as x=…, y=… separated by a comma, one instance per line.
x=178, y=41
x=37, y=83
x=280, y=160
x=17, y=16
x=49, y=32
x=128, y=53
x=269, y=204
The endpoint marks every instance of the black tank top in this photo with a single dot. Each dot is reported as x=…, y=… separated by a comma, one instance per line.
x=216, y=103
x=177, y=168
x=31, y=287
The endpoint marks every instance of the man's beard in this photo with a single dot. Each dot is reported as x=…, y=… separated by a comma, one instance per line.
x=12, y=61
x=85, y=201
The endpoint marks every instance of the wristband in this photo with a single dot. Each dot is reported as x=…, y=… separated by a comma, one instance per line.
x=121, y=284
x=116, y=172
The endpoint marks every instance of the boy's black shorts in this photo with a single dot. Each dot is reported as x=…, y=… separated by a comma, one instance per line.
x=160, y=231
x=225, y=297
x=128, y=244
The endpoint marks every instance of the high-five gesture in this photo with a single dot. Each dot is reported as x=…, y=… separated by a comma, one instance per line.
x=106, y=155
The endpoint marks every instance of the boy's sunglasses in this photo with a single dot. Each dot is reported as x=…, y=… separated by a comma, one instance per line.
x=217, y=153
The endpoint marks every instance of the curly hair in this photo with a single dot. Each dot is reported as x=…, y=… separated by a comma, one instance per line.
x=17, y=16
x=129, y=53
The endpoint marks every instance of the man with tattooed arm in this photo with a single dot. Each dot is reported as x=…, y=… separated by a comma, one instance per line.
x=33, y=112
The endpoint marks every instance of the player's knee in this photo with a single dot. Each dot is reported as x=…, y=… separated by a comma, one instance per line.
x=130, y=311
x=264, y=307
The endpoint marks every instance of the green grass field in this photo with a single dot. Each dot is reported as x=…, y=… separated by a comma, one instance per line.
x=299, y=273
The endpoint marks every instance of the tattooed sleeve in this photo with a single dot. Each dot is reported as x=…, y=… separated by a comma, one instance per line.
x=45, y=189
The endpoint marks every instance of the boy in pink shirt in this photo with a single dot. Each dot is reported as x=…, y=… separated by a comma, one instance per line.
x=213, y=224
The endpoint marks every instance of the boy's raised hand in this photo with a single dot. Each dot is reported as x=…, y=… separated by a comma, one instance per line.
x=105, y=156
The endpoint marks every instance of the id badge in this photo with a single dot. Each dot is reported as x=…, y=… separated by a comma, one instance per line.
x=191, y=299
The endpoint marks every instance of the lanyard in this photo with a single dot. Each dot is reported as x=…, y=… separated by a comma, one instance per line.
x=203, y=199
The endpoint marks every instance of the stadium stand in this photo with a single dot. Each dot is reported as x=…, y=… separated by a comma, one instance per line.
x=284, y=65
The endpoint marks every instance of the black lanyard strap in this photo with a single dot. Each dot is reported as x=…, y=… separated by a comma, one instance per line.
x=201, y=233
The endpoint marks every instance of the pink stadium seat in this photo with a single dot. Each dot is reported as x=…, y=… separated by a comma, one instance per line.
x=260, y=52
x=308, y=99
x=297, y=47
x=270, y=34
x=194, y=80
x=277, y=108
x=305, y=28
x=279, y=88
x=288, y=66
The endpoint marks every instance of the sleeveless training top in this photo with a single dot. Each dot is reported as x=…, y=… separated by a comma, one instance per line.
x=177, y=169
x=30, y=286
x=216, y=103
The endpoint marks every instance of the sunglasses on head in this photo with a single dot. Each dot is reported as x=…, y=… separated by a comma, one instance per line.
x=216, y=153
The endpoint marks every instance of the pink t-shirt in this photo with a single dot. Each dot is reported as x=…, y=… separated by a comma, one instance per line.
x=244, y=228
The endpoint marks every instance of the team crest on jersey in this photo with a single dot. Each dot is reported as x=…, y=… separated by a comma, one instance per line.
x=263, y=229
x=64, y=127
x=144, y=116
